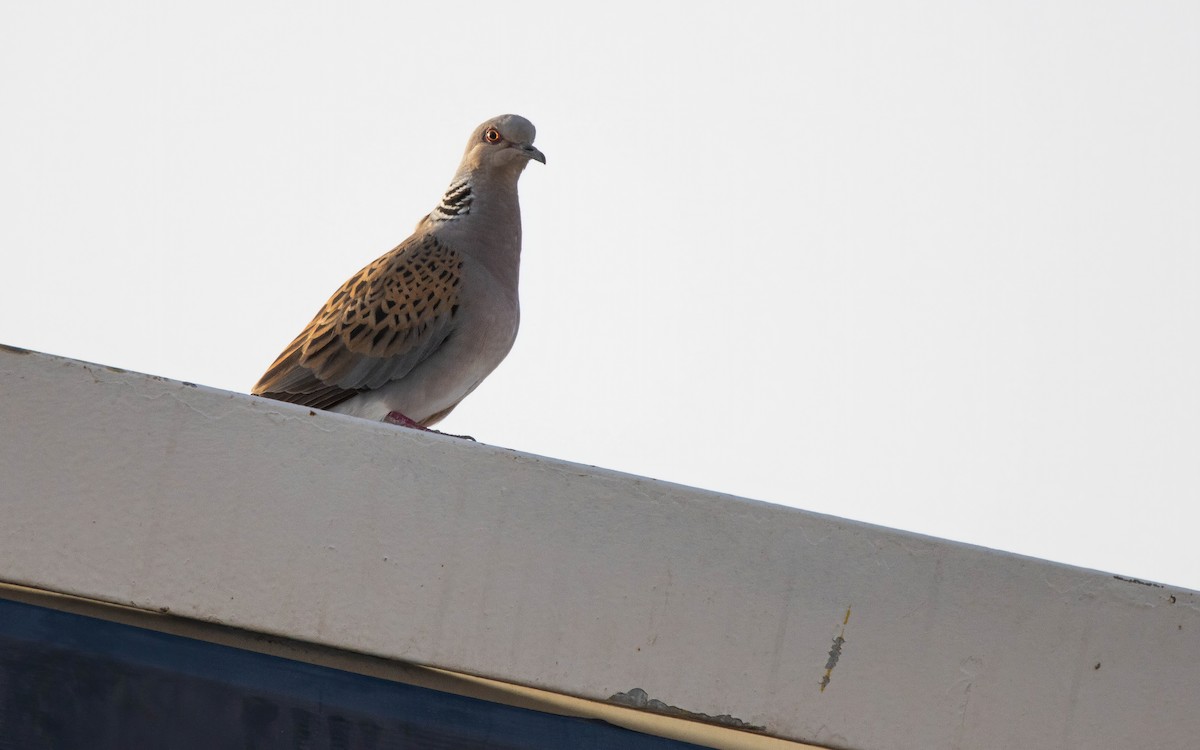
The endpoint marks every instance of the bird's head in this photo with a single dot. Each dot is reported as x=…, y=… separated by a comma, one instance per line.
x=502, y=143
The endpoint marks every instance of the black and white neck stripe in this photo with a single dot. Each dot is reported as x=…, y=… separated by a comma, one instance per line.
x=455, y=203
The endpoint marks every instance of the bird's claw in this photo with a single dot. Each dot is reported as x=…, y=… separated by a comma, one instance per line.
x=396, y=418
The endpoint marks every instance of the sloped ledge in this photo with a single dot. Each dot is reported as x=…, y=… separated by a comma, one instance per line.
x=231, y=509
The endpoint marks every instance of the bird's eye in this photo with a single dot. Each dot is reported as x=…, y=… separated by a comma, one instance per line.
x=491, y=135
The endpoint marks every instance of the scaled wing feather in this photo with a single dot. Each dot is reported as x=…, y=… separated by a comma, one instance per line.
x=379, y=325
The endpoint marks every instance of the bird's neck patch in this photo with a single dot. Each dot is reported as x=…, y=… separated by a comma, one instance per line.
x=455, y=203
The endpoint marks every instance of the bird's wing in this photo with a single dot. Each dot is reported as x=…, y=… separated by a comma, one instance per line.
x=377, y=327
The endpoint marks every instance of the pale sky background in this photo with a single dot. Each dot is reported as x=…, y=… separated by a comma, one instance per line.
x=934, y=266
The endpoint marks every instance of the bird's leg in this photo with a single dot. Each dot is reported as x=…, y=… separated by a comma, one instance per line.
x=396, y=418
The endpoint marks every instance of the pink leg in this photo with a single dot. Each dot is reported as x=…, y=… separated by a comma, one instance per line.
x=396, y=418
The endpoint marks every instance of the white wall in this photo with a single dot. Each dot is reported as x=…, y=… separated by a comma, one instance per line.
x=253, y=513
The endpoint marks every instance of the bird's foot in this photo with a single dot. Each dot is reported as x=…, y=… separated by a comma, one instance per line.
x=396, y=418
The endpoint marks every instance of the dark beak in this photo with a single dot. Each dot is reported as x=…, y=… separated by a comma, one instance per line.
x=534, y=154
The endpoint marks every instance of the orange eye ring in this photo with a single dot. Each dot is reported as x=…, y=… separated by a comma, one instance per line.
x=491, y=135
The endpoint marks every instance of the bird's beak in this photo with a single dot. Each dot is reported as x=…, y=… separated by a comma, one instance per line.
x=534, y=154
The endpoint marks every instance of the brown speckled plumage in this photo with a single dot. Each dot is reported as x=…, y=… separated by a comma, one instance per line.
x=379, y=325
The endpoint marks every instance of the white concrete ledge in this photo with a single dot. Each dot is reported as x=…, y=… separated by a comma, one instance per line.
x=232, y=509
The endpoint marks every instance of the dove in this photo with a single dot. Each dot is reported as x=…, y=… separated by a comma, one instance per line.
x=405, y=339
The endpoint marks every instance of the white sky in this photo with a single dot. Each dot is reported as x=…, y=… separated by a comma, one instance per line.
x=934, y=266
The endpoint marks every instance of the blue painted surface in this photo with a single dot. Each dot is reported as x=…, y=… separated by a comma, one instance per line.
x=72, y=682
